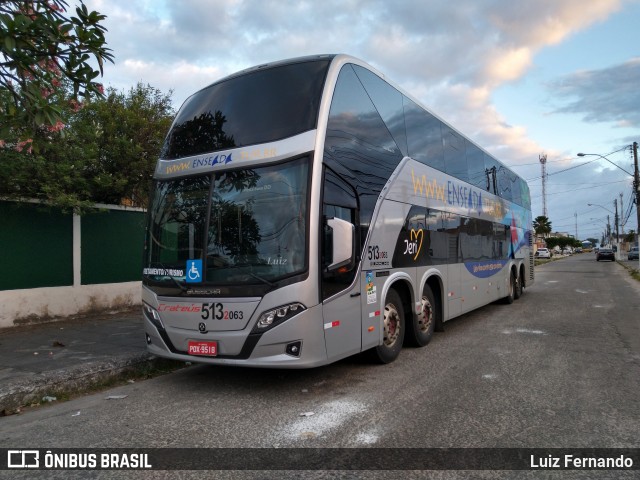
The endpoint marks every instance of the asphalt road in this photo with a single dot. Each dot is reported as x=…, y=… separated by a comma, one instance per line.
x=558, y=368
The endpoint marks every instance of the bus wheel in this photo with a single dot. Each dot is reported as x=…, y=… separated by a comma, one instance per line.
x=393, y=325
x=519, y=288
x=512, y=289
x=423, y=324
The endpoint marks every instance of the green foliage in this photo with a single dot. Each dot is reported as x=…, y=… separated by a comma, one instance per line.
x=562, y=242
x=105, y=153
x=630, y=237
x=61, y=139
x=41, y=47
x=542, y=225
x=125, y=133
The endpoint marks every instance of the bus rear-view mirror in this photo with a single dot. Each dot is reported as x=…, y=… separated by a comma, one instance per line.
x=343, y=234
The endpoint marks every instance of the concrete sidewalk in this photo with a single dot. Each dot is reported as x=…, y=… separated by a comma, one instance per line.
x=70, y=355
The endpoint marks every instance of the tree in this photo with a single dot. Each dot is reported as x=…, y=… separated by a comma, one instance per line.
x=123, y=135
x=33, y=168
x=542, y=225
x=552, y=242
x=107, y=154
x=562, y=242
x=41, y=46
x=630, y=237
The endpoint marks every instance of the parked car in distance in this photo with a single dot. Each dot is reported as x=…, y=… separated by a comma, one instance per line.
x=567, y=251
x=605, y=254
x=633, y=254
x=543, y=253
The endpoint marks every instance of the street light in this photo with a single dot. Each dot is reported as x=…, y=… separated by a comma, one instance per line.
x=596, y=205
x=603, y=156
x=609, y=231
x=635, y=175
x=607, y=228
x=594, y=229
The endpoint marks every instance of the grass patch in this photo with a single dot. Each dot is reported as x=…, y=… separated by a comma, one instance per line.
x=143, y=371
x=542, y=261
x=152, y=368
x=634, y=272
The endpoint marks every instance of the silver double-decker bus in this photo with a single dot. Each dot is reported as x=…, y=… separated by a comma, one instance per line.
x=307, y=210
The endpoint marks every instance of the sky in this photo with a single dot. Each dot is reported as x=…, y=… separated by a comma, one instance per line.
x=521, y=78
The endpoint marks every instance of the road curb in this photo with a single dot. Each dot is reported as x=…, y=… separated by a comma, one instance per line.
x=26, y=391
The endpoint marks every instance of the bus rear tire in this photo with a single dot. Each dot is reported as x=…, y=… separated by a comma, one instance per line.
x=393, y=330
x=512, y=289
x=420, y=332
x=519, y=288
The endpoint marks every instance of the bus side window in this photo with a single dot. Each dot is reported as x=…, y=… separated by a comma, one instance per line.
x=339, y=201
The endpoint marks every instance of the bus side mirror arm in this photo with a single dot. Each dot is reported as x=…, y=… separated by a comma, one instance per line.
x=343, y=233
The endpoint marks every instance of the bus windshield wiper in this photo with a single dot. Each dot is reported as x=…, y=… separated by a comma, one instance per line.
x=174, y=279
x=251, y=274
x=180, y=286
x=263, y=280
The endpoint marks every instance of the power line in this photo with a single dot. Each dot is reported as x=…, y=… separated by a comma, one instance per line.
x=537, y=163
x=586, y=163
x=576, y=189
x=562, y=171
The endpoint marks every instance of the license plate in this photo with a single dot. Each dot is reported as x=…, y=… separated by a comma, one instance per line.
x=206, y=349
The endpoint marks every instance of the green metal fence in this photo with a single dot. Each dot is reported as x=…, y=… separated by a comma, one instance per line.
x=36, y=246
x=112, y=246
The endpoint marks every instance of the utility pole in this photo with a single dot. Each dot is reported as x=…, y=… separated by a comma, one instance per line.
x=543, y=162
x=616, y=219
x=636, y=186
x=622, y=212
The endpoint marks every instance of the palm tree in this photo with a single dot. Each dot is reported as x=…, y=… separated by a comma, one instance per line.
x=542, y=225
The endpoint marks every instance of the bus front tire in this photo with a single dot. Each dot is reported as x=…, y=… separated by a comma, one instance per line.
x=420, y=332
x=393, y=330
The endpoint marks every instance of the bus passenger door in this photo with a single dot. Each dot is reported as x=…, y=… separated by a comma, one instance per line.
x=341, y=308
x=342, y=320
x=341, y=305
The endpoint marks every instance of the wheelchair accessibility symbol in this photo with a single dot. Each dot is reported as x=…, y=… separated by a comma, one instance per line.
x=194, y=271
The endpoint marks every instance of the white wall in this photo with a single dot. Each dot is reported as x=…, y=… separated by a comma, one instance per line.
x=36, y=305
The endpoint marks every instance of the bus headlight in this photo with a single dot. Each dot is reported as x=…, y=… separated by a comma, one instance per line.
x=276, y=316
x=152, y=315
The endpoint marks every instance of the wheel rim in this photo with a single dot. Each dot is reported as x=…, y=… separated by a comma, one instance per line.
x=425, y=319
x=391, y=325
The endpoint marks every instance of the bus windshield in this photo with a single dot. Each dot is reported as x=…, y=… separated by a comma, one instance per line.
x=250, y=225
x=257, y=107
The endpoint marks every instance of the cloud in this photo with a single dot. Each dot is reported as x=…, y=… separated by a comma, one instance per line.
x=607, y=95
x=475, y=43
x=546, y=22
x=450, y=56
x=189, y=76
